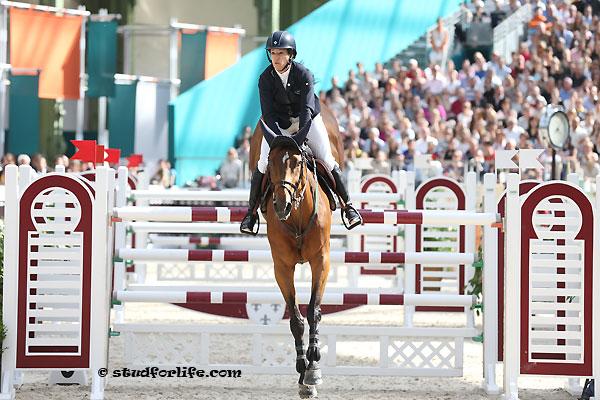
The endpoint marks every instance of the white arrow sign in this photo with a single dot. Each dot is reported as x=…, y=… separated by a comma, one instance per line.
x=528, y=159
x=504, y=159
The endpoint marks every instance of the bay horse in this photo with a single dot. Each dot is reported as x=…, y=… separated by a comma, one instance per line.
x=298, y=229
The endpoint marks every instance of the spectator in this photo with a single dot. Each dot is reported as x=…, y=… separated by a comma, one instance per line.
x=380, y=164
x=566, y=91
x=163, y=176
x=231, y=170
x=39, y=163
x=437, y=83
x=439, y=44
x=7, y=159
x=23, y=159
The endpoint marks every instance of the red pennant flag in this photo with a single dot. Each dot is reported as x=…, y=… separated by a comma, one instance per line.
x=113, y=155
x=134, y=160
x=100, y=155
x=85, y=150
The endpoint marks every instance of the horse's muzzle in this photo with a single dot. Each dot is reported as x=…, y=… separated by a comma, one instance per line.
x=283, y=213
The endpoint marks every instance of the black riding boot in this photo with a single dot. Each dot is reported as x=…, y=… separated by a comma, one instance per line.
x=352, y=216
x=247, y=225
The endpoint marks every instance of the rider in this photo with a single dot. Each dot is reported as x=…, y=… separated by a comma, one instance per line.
x=289, y=105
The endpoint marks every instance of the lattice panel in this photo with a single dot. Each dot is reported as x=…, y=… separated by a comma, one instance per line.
x=259, y=350
x=556, y=318
x=431, y=353
x=279, y=351
x=276, y=351
x=263, y=272
x=161, y=348
x=224, y=271
x=175, y=272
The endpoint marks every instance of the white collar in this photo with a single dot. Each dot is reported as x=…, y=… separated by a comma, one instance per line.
x=284, y=76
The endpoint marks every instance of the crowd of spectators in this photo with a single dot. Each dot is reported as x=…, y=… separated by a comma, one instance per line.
x=459, y=115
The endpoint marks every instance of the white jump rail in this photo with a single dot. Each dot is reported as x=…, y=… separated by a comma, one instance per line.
x=262, y=256
x=355, y=298
x=235, y=195
x=238, y=242
x=236, y=214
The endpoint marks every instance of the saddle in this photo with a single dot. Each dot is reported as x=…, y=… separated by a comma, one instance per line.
x=324, y=177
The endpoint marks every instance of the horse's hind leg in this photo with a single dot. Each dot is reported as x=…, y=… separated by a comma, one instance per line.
x=320, y=271
x=285, y=279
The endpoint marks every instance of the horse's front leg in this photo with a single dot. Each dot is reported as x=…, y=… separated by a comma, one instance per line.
x=284, y=275
x=320, y=271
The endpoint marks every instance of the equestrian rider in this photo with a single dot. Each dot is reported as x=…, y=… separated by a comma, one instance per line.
x=290, y=106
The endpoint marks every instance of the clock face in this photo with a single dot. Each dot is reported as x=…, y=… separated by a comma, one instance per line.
x=558, y=129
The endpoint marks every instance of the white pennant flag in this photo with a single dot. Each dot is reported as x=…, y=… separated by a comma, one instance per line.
x=504, y=159
x=528, y=159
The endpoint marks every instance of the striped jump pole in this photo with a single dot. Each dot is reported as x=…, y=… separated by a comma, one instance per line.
x=239, y=195
x=236, y=214
x=354, y=299
x=227, y=228
x=264, y=256
x=240, y=242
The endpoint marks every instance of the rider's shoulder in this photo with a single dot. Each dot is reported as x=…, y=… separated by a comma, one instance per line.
x=267, y=72
x=302, y=72
x=301, y=68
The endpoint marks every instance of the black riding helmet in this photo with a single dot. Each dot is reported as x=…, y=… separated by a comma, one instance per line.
x=281, y=40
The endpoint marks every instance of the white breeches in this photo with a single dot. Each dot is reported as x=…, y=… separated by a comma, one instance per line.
x=317, y=140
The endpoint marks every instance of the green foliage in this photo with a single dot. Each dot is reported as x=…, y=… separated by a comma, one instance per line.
x=475, y=285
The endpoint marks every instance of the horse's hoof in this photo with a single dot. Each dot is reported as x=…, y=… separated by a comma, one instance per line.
x=307, y=392
x=312, y=376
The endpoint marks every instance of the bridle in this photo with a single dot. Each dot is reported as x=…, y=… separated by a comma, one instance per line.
x=293, y=188
x=297, y=196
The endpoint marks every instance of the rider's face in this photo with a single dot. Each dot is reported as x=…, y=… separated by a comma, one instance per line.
x=280, y=59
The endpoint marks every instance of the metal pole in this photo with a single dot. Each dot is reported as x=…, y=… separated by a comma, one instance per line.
x=102, y=131
x=553, y=163
x=82, y=81
x=173, y=57
x=126, y=53
x=102, y=104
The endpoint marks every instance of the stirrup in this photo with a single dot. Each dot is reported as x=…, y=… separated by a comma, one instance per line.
x=350, y=224
x=248, y=231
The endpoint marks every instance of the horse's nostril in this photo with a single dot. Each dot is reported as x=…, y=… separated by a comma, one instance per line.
x=288, y=208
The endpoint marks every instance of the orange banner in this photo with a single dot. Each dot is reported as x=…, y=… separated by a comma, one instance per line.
x=50, y=43
x=222, y=51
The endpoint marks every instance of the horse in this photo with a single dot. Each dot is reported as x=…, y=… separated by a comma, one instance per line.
x=298, y=229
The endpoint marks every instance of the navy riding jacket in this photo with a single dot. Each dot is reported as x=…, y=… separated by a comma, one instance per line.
x=296, y=100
